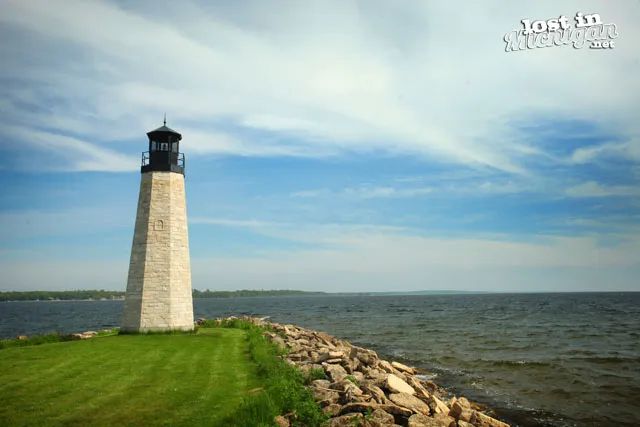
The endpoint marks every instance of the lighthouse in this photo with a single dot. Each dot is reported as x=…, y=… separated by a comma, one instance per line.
x=158, y=296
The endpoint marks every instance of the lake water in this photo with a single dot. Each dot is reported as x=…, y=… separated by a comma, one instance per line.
x=537, y=359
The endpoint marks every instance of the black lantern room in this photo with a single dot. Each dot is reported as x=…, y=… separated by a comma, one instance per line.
x=164, y=151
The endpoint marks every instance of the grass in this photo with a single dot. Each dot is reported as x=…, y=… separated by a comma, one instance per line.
x=127, y=380
x=284, y=391
x=227, y=375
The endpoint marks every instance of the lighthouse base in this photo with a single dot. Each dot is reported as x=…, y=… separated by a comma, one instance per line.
x=158, y=296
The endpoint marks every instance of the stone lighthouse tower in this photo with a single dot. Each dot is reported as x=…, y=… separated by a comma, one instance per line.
x=158, y=296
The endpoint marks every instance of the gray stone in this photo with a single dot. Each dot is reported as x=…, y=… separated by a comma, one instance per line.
x=335, y=372
x=408, y=401
x=396, y=385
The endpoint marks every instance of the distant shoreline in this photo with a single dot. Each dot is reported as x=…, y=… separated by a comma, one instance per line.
x=102, y=295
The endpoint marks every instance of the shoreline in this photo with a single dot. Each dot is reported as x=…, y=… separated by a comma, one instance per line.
x=354, y=386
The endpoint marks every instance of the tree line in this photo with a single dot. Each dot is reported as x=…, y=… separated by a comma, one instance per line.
x=101, y=294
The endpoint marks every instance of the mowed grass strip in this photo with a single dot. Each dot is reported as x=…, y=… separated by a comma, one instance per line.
x=190, y=379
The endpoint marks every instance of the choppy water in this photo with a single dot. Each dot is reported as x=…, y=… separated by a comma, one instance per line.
x=538, y=359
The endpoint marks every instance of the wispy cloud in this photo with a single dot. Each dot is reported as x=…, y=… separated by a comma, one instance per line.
x=76, y=155
x=594, y=189
x=361, y=87
x=366, y=192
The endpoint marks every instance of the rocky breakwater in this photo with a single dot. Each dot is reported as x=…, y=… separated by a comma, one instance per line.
x=361, y=389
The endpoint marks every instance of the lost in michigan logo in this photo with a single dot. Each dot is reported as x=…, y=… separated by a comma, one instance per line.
x=588, y=30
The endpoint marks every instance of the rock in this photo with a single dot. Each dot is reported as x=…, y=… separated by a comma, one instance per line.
x=385, y=366
x=484, y=420
x=408, y=401
x=463, y=402
x=396, y=410
x=281, y=421
x=359, y=376
x=404, y=368
x=321, y=383
x=419, y=420
x=375, y=392
x=325, y=396
x=349, y=390
x=438, y=406
x=445, y=420
x=360, y=407
x=396, y=385
x=349, y=420
x=460, y=412
x=464, y=424
x=335, y=372
x=322, y=357
x=366, y=357
x=332, y=409
x=419, y=388
x=382, y=417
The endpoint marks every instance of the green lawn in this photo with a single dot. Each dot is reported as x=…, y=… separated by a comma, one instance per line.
x=128, y=380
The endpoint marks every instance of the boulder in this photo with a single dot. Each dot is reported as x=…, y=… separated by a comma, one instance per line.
x=484, y=420
x=438, y=406
x=464, y=424
x=396, y=410
x=375, y=392
x=360, y=407
x=382, y=417
x=419, y=388
x=445, y=420
x=335, y=372
x=395, y=385
x=348, y=420
x=322, y=357
x=332, y=410
x=420, y=420
x=385, y=366
x=409, y=401
x=325, y=396
x=366, y=357
x=403, y=368
x=320, y=383
x=460, y=412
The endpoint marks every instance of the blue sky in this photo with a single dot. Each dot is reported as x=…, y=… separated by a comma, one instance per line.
x=338, y=146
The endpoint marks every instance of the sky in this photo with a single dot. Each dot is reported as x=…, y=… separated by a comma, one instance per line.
x=330, y=145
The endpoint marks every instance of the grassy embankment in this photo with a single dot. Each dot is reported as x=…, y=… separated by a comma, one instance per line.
x=217, y=376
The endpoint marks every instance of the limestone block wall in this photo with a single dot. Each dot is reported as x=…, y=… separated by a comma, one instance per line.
x=158, y=295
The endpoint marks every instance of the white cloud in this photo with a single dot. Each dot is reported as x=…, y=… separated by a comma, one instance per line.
x=366, y=191
x=627, y=150
x=377, y=260
x=594, y=189
x=415, y=79
x=367, y=258
x=82, y=156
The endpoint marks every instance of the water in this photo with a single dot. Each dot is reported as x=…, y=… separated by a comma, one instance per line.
x=537, y=359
